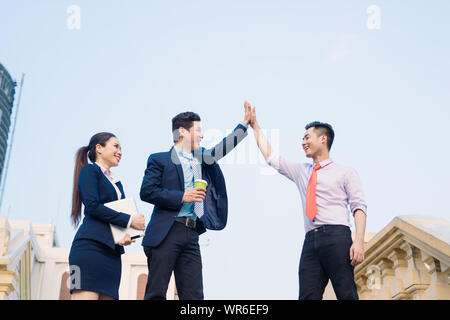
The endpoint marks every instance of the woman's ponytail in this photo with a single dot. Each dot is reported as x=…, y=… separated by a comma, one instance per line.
x=81, y=158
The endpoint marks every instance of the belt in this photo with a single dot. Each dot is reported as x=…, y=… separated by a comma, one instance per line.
x=325, y=227
x=188, y=222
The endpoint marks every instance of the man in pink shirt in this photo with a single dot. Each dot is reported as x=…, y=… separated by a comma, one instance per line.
x=329, y=193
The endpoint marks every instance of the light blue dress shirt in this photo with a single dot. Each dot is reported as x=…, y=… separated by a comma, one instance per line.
x=187, y=210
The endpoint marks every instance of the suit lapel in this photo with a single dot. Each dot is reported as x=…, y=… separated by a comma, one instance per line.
x=108, y=183
x=119, y=185
x=176, y=162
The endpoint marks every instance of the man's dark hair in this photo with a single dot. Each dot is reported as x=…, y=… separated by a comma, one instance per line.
x=185, y=120
x=323, y=129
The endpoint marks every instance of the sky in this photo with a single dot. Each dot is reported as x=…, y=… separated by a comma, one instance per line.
x=378, y=71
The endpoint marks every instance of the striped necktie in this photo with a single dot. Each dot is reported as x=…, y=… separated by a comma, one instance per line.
x=197, y=170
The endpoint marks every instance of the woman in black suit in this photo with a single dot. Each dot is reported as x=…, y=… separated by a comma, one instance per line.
x=95, y=260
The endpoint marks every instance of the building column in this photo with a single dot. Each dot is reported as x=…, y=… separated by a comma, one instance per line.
x=387, y=278
x=364, y=292
x=8, y=278
x=439, y=288
x=417, y=279
x=400, y=266
x=8, y=282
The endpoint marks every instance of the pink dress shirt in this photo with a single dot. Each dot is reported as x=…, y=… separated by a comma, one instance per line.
x=338, y=190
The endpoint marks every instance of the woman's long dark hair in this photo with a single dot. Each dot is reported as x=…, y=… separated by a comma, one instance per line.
x=81, y=159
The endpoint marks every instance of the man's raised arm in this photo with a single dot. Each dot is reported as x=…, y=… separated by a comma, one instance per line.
x=263, y=144
x=232, y=140
x=284, y=167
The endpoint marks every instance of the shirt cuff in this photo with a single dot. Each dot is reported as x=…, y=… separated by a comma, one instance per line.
x=245, y=125
x=363, y=209
x=129, y=222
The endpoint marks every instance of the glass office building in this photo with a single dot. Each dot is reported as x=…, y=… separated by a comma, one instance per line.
x=7, y=90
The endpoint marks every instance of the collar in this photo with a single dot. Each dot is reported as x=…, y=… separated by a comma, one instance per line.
x=324, y=162
x=108, y=173
x=183, y=153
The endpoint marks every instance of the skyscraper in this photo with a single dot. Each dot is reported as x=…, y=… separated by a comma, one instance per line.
x=7, y=90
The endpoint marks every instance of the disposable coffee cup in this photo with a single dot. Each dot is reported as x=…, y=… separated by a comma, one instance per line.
x=199, y=183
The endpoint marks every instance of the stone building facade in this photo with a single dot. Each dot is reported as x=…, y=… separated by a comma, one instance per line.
x=408, y=259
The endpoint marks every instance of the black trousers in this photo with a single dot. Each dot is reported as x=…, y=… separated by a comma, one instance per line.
x=326, y=255
x=179, y=252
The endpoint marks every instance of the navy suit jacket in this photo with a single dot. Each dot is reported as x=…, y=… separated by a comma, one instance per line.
x=95, y=190
x=163, y=186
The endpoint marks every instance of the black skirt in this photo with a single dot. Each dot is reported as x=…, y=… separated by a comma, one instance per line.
x=95, y=267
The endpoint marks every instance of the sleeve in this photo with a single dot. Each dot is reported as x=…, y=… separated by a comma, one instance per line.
x=354, y=192
x=152, y=192
x=88, y=187
x=286, y=168
x=229, y=142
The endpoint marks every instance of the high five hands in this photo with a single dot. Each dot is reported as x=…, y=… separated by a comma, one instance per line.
x=250, y=115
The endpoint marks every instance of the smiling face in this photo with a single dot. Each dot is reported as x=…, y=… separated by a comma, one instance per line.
x=314, y=143
x=192, y=137
x=111, y=153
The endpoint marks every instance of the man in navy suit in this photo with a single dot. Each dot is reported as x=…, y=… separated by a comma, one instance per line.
x=181, y=212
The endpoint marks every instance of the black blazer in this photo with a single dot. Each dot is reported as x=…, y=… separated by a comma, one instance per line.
x=163, y=186
x=95, y=190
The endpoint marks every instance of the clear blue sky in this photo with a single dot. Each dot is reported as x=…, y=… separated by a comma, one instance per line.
x=133, y=65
